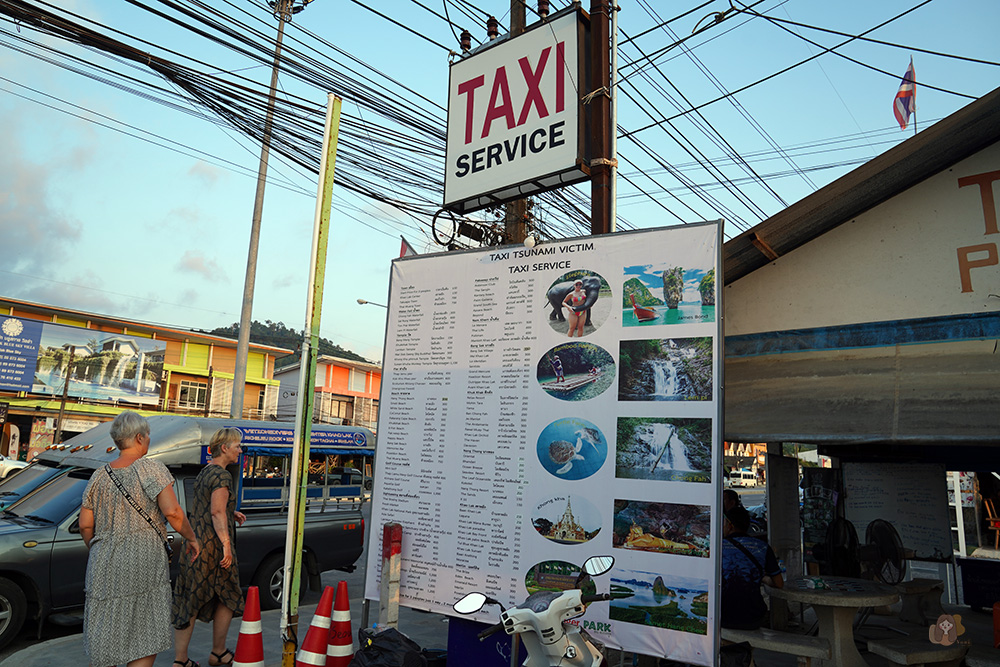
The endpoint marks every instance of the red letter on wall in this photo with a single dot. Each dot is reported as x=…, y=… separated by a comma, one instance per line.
x=985, y=183
x=965, y=265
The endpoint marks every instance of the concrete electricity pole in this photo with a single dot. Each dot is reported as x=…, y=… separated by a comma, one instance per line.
x=601, y=202
x=516, y=218
x=283, y=10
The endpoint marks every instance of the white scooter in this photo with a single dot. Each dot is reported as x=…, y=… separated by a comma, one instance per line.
x=540, y=621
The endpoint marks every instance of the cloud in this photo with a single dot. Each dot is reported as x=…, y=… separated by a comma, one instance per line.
x=37, y=237
x=194, y=261
x=287, y=280
x=206, y=173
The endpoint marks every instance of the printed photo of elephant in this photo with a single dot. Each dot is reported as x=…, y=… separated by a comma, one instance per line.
x=580, y=300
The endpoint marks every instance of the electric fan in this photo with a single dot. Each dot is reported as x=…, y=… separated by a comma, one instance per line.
x=882, y=557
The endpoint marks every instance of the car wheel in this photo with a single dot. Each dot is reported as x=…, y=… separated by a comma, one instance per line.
x=12, y=610
x=368, y=485
x=270, y=579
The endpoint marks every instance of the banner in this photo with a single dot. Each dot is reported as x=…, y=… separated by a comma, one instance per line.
x=106, y=366
x=540, y=406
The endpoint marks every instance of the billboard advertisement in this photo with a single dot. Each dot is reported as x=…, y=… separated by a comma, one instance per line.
x=107, y=366
x=514, y=116
x=540, y=406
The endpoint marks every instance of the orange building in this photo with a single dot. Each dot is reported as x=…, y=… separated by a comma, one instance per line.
x=103, y=364
x=346, y=392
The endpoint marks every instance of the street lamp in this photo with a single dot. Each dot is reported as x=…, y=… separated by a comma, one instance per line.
x=362, y=302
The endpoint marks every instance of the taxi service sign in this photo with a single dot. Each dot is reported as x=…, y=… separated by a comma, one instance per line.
x=514, y=125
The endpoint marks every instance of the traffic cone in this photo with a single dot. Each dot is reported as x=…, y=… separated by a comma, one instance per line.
x=340, y=650
x=250, y=645
x=312, y=650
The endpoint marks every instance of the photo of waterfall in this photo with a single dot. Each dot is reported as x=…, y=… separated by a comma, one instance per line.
x=664, y=448
x=668, y=369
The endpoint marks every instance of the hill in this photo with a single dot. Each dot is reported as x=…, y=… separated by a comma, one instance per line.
x=278, y=335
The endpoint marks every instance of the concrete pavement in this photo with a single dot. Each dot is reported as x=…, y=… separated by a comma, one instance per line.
x=428, y=630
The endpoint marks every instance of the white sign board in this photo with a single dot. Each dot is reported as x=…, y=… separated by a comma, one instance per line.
x=513, y=117
x=911, y=496
x=510, y=452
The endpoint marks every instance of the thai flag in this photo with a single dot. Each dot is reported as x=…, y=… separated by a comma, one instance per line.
x=905, y=101
x=405, y=249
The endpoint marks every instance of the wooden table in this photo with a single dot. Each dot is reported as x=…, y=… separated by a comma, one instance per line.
x=836, y=608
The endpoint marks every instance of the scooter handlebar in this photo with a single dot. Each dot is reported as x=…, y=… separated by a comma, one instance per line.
x=490, y=631
x=596, y=597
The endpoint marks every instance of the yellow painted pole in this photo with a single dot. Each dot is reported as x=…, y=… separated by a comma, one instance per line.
x=307, y=386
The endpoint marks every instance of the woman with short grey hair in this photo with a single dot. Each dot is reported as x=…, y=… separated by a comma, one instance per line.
x=126, y=426
x=127, y=608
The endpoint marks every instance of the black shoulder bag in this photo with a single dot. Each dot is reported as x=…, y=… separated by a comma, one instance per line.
x=142, y=513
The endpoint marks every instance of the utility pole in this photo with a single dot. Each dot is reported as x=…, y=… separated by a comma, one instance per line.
x=516, y=218
x=65, y=394
x=283, y=10
x=601, y=163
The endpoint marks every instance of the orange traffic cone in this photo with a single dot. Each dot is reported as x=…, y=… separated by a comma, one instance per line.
x=340, y=650
x=312, y=650
x=250, y=645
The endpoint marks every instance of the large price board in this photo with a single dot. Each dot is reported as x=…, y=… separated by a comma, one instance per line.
x=543, y=405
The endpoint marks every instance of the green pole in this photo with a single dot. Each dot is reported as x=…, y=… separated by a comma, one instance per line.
x=307, y=387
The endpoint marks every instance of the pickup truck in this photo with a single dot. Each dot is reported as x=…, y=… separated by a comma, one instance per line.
x=43, y=560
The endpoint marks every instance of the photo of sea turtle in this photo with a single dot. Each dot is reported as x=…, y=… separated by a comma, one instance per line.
x=572, y=448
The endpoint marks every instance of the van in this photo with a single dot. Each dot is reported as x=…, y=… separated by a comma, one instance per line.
x=43, y=559
x=743, y=478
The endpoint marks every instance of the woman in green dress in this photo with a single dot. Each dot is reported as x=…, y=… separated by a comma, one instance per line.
x=209, y=588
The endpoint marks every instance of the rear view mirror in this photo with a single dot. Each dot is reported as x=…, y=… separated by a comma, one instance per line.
x=470, y=604
x=598, y=565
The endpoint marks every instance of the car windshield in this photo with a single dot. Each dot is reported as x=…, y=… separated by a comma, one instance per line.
x=28, y=479
x=53, y=502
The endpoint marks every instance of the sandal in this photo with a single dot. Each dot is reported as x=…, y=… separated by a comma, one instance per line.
x=189, y=663
x=219, y=658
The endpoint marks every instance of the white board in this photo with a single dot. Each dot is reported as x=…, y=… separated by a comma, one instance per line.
x=911, y=496
x=505, y=479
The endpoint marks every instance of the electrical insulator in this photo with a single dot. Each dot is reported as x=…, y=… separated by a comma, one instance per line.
x=492, y=27
x=466, y=41
x=543, y=8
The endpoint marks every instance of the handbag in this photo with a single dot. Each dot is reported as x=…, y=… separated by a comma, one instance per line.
x=142, y=513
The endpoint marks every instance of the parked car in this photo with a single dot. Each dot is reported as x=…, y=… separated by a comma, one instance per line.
x=9, y=465
x=43, y=560
x=340, y=476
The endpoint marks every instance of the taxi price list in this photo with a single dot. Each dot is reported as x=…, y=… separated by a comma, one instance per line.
x=458, y=376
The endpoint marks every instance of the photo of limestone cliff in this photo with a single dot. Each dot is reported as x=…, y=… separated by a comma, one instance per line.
x=660, y=600
x=655, y=295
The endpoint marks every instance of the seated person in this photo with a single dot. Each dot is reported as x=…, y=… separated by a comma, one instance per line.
x=730, y=499
x=746, y=562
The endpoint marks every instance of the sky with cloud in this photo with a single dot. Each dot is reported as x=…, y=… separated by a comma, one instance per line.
x=151, y=220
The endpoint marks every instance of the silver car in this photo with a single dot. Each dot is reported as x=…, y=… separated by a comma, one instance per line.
x=9, y=465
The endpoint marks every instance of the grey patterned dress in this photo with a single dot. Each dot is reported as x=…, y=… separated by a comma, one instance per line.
x=127, y=614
